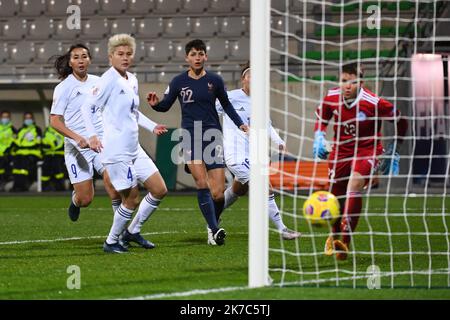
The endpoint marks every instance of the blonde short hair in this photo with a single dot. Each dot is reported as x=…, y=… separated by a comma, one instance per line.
x=121, y=39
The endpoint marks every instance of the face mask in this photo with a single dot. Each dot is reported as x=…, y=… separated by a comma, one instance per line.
x=28, y=122
x=5, y=121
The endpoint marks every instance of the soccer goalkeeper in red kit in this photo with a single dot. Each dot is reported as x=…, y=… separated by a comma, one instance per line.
x=357, y=114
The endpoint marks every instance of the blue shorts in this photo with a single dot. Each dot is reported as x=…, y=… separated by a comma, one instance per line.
x=206, y=147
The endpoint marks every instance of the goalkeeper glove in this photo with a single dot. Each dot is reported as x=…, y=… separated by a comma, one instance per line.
x=391, y=161
x=320, y=145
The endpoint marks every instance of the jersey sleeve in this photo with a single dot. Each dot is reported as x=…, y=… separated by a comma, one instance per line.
x=226, y=104
x=324, y=113
x=146, y=123
x=386, y=109
x=60, y=101
x=170, y=95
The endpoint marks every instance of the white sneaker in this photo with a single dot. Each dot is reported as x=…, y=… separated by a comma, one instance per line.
x=211, y=240
x=288, y=234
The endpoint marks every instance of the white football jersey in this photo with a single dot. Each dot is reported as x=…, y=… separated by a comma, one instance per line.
x=119, y=99
x=236, y=143
x=68, y=97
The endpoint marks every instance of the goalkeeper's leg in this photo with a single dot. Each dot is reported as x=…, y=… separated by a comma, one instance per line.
x=353, y=205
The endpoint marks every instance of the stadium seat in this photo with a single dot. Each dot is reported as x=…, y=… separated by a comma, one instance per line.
x=14, y=29
x=149, y=27
x=139, y=55
x=221, y=6
x=21, y=52
x=123, y=25
x=89, y=7
x=159, y=51
x=243, y=6
x=233, y=26
x=279, y=5
x=178, y=51
x=64, y=33
x=217, y=49
x=240, y=50
x=7, y=72
x=9, y=8
x=279, y=44
x=194, y=6
x=112, y=7
x=47, y=49
x=292, y=175
x=95, y=28
x=140, y=6
x=3, y=53
x=177, y=27
x=204, y=27
x=29, y=72
x=99, y=51
x=32, y=7
x=41, y=28
x=277, y=23
x=167, y=6
x=56, y=8
x=295, y=25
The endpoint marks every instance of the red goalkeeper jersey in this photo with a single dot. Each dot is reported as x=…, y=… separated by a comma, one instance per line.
x=356, y=126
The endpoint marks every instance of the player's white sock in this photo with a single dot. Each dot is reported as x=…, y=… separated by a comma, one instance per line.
x=230, y=197
x=121, y=218
x=115, y=203
x=148, y=205
x=274, y=213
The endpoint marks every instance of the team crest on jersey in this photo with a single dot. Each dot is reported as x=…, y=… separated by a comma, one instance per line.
x=210, y=86
x=361, y=116
x=95, y=91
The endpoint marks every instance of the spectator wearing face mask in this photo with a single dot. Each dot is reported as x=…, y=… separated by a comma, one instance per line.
x=26, y=154
x=7, y=136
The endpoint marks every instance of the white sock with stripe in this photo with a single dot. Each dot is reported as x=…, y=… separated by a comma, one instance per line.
x=274, y=213
x=115, y=203
x=147, y=206
x=121, y=218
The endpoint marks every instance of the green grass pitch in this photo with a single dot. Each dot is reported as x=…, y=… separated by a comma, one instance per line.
x=38, y=243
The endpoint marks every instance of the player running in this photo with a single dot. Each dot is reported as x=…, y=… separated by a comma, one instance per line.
x=236, y=154
x=354, y=159
x=197, y=91
x=116, y=93
x=66, y=117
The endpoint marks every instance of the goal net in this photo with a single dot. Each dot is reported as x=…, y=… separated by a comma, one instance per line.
x=402, y=238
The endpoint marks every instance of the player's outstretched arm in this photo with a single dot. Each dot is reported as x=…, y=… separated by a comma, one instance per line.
x=150, y=125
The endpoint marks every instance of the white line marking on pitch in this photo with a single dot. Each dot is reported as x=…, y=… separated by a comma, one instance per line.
x=78, y=238
x=186, y=293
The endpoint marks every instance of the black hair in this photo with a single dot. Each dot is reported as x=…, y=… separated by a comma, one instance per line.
x=353, y=68
x=28, y=112
x=195, y=44
x=61, y=63
x=245, y=67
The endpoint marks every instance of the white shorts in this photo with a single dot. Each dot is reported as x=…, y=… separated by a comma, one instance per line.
x=81, y=163
x=241, y=171
x=144, y=166
x=122, y=175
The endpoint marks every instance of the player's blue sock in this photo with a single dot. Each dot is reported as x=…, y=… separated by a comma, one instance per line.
x=206, y=204
x=218, y=208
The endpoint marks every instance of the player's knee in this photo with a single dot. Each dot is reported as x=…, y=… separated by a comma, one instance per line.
x=160, y=192
x=218, y=195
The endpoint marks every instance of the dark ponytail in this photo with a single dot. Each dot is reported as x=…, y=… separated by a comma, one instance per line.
x=61, y=63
